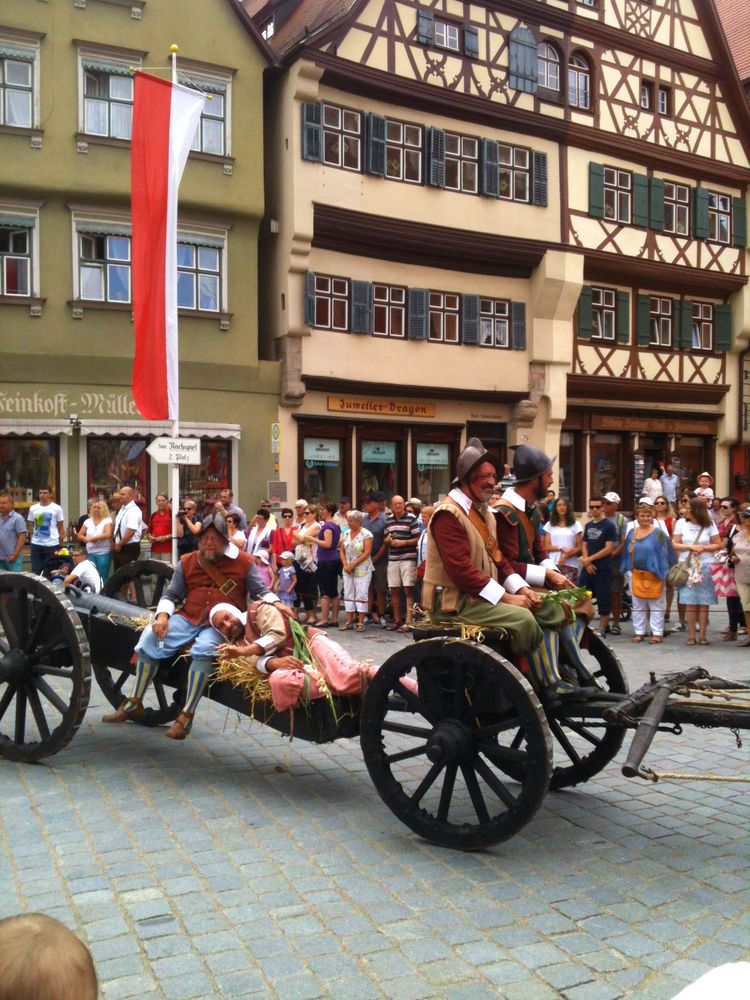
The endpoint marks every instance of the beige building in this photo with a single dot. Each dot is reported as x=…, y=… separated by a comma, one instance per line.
x=518, y=220
x=66, y=90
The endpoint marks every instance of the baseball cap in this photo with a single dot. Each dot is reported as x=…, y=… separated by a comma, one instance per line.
x=287, y=555
x=612, y=497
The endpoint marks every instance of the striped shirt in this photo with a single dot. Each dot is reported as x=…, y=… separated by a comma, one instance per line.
x=402, y=529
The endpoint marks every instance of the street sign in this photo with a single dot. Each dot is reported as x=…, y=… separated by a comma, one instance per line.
x=275, y=438
x=175, y=451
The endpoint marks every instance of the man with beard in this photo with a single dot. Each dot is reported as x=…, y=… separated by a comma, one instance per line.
x=519, y=533
x=217, y=572
x=466, y=577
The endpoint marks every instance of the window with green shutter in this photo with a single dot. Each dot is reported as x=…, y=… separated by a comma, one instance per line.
x=436, y=157
x=361, y=307
x=418, y=318
x=683, y=331
x=585, y=314
x=623, y=318
x=312, y=132
x=522, y=60
x=518, y=326
x=539, y=183
x=700, y=213
x=640, y=200
x=656, y=204
x=310, y=298
x=723, y=327
x=490, y=169
x=596, y=190
x=375, y=145
x=643, y=320
x=739, y=222
x=469, y=319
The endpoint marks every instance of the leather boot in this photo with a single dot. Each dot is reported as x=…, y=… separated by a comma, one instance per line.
x=131, y=708
x=181, y=726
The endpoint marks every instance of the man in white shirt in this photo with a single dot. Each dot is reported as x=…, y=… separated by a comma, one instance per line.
x=47, y=522
x=84, y=573
x=126, y=538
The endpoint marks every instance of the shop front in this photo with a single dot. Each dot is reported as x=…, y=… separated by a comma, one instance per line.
x=612, y=450
x=354, y=445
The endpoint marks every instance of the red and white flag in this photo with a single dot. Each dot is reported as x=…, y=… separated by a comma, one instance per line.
x=165, y=117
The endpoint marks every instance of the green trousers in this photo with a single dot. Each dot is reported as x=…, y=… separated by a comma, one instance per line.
x=525, y=629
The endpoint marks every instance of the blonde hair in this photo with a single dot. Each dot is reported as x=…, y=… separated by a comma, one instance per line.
x=40, y=959
x=101, y=507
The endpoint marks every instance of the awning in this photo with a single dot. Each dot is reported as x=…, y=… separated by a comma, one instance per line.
x=156, y=428
x=35, y=427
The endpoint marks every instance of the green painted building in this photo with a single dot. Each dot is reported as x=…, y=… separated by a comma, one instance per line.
x=66, y=345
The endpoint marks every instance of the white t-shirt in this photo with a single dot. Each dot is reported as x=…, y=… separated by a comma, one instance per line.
x=564, y=537
x=652, y=488
x=128, y=517
x=88, y=575
x=694, y=534
x=103, y=545
x=45, y=519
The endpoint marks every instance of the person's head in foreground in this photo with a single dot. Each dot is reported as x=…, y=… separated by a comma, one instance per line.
x=40, y=959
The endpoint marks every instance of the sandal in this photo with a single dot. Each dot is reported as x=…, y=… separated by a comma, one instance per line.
x=616, y=630
x=655, y=639
x=359, y=628
x=394, y=626
x=703, y=642
x=690, y=642
x=345, y=628
x=637, y=638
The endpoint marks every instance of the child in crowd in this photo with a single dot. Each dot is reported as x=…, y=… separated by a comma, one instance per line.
x=263, y=562
x=287, y=580
x=41, y=958
x=705, y=482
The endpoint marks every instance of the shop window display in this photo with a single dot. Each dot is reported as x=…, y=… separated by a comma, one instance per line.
x=323, y=480
x=25, y=465
x=606, y=463
x=204, y=481
x=114, y=462
x=433, y=471
x=379, y=467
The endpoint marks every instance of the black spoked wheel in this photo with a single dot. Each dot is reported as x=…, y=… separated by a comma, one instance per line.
x=585, y=745
x=45, y=674
x=437, y=755
x=144, y=581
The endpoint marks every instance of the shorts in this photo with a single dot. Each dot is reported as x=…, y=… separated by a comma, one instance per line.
x=618, y=582
x=379, y=580
x=744, y=592
x=328, y=578
x=402, y=573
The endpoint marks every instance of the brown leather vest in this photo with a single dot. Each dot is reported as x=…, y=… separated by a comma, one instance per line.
x=203, y=594
x=436, y=575
x=253, y=632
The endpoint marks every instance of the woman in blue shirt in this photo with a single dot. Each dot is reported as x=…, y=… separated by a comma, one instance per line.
x=648, y=548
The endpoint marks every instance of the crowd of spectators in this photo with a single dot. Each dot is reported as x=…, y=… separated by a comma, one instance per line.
x=369, y=561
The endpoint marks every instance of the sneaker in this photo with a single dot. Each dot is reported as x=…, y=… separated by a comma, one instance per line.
x=679, y=627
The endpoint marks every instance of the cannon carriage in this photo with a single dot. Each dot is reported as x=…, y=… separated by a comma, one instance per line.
x=464, y=758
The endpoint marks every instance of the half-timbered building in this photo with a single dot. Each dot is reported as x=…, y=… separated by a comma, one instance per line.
x=521, y=220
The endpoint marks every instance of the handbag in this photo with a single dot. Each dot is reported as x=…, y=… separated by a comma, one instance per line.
x=678, y=574
x=645, y=585
x=305, y=559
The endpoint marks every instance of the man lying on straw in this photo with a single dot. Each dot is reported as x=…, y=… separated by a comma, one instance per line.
x=272, y=657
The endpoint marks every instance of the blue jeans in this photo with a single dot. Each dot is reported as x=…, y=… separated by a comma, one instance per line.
x=103, y=562
x=40, y=554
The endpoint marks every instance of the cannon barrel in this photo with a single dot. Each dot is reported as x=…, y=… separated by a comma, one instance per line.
x=98, y=604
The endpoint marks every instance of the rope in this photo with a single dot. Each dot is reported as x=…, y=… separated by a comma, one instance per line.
x=655, y=776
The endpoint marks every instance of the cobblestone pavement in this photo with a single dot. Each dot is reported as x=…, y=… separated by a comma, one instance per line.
x=238, y=865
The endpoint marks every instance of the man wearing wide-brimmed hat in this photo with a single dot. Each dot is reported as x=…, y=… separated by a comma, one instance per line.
x=466, y=576
x=519, y=533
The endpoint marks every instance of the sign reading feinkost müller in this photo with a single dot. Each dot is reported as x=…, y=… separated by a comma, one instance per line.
x=175, y=451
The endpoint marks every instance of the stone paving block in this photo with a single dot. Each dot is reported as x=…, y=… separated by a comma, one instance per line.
x=194, y=987
x=240, y=983
x=114, y=948
x=529, y=989
x=130, y=986
x=120, y=967
x=564, y=975
x=407, y=988
x=593, y=991
x=470, y=991
x=534, y=956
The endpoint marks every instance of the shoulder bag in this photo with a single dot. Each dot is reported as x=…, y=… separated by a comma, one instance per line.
x=644, y=584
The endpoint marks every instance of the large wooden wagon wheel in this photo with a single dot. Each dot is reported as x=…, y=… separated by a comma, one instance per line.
x=45, y=674
x=583, y=745
x=149, y=579
x=437, y=757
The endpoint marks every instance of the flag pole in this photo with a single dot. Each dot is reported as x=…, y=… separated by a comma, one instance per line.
x=174, y=470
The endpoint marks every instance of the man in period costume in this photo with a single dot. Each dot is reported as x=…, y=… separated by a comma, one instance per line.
x=217, y=572
x=466, y=575
x=519, y=534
